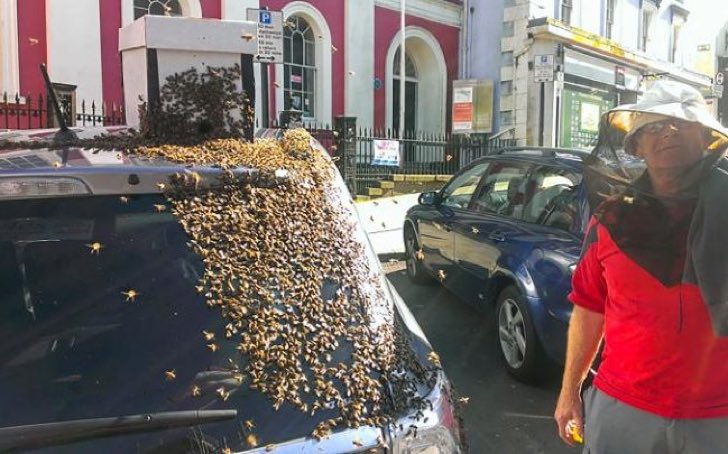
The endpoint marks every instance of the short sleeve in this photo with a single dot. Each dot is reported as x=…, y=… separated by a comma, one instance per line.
x=588, y=288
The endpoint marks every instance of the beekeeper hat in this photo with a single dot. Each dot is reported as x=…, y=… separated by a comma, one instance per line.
x=666, y=100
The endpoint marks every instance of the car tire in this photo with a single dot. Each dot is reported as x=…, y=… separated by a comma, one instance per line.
x=415, y=268
x=521, y=350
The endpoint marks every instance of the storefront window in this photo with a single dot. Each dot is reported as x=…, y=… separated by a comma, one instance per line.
x=580, y=113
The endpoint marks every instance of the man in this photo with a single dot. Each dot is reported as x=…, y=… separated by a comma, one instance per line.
x=662, y=385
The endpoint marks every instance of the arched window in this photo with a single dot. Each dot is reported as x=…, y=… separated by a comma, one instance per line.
x=410, y=94
x=157, y=7
x=299, y=69
x=410, y=70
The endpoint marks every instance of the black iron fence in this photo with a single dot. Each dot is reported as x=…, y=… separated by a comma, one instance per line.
x=35, y=112
x=420, y=153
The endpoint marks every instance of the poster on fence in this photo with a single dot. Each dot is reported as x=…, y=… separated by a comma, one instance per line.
x=386, y=153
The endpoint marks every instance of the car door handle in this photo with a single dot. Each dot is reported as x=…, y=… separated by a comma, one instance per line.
x=497, y=236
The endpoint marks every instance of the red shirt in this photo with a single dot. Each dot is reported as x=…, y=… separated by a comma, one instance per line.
x=660, y=353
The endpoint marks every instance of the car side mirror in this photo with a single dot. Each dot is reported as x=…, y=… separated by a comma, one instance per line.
x=428, y=198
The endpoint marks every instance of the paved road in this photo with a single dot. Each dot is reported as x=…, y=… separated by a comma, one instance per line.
x=503, y=415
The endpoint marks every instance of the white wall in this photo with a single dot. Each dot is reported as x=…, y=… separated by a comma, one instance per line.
x=9, y=65
x=74, y=47
x=359, y=90
x=235, y=9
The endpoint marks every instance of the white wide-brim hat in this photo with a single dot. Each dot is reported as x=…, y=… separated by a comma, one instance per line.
x=665, y=100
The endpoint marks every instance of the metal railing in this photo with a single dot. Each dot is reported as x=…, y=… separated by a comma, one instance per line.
x=35, y=112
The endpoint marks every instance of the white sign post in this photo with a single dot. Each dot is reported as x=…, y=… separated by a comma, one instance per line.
x=543, y=68
x=386, y=153
x=270, y=34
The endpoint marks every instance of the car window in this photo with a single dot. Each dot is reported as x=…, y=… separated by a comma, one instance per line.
x=100, y=317
x=458, y=193
x=551, y=197
x=503, y=190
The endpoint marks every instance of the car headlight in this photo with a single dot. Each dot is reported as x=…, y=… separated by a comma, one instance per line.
x=433, y=440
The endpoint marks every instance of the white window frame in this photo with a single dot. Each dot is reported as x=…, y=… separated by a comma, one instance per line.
x=9, y=58
x=190, y=8
x=304, y=66
x=649, y=10
x=322, y=34
x=678, y=22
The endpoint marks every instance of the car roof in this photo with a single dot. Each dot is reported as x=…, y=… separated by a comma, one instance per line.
x=103, y=171
x=570, y=157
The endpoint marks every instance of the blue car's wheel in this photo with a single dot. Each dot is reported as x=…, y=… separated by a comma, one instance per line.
x=521, y=350
x=414, y=257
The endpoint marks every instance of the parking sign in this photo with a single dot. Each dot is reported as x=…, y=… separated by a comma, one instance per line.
x=265, y=17
x=270, y=34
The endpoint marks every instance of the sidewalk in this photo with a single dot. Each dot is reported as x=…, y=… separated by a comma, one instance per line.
x=383, y=220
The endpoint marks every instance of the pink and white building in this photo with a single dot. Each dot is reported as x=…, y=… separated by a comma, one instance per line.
x=340, y=54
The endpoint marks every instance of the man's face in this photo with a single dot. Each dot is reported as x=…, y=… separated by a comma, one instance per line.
x=670, y=144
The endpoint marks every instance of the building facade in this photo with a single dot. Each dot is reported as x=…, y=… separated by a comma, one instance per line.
x=569, y=61
x=340, y=54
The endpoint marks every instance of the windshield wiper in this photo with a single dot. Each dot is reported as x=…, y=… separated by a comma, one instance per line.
x=58, y=433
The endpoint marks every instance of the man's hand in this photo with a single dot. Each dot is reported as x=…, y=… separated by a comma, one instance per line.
x=585, y=333
x=569, y=408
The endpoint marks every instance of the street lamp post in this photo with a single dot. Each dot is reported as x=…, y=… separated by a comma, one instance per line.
x=402, y=74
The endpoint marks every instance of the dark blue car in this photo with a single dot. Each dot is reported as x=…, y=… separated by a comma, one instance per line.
x=506, y=232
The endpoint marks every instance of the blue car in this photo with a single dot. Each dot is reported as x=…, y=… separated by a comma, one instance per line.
x=506, y=232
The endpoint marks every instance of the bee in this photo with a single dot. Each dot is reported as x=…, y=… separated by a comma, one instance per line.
x=475, y=230
x=251, y=440
x=464, y=400
x=356, y=442
x=333, y=48
x=213, y=347
x=224, y=395
x=227, y=450
x=441, y=274
x=95, y=248
x=57, y=164
x=160, y=208
x=249, y=424
x=33, y=41
x=270, y=447
x=419, y=254
x=208, y=336
x=196, y=391
x=124, y=199
x=448, y=158
x=170, y=375
x=434, y=359
x=161, y=186
x=131, y=295
x=248, y=36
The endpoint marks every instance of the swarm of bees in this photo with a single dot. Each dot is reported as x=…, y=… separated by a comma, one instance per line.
x=283, y=267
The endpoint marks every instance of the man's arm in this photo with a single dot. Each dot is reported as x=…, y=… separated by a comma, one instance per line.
x=585, y=332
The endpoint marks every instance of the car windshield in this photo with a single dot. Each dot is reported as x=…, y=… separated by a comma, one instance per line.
x=100, y=317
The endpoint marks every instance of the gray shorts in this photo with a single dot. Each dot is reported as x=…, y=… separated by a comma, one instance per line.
x=613, y=427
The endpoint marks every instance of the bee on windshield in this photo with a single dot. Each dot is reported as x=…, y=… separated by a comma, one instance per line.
x=131, y=295
x=251, y=440
x=95, y=248
x=170, y=375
